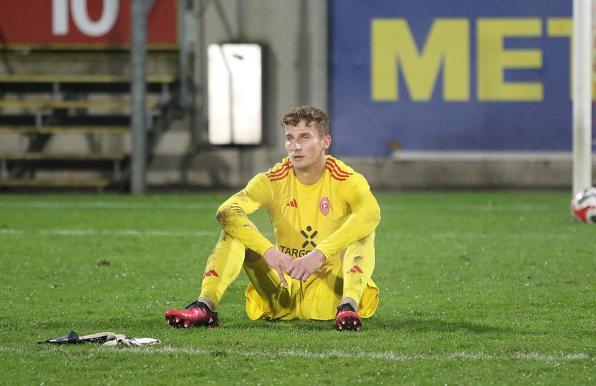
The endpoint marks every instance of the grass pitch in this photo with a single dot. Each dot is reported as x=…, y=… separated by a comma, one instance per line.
x=476, y=288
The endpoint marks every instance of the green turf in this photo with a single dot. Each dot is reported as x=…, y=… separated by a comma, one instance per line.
x=476, y=288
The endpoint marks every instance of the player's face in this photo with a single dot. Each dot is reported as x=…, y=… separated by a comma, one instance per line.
x=305, y=146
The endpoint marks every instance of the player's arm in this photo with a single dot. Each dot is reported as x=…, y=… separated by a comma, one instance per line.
x=233, y=217
x=365, y=216
x=233, y=214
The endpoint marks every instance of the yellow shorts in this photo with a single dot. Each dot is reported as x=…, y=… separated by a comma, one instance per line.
x=317, y=298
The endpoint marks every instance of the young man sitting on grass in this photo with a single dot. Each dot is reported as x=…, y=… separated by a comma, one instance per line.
x=324, y=218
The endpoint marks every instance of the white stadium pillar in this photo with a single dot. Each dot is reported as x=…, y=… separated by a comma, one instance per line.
x=582, y=94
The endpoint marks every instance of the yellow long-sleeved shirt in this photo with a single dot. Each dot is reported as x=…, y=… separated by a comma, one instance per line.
x=329, y=215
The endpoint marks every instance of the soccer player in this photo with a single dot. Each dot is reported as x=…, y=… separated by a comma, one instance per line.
x=324, y=218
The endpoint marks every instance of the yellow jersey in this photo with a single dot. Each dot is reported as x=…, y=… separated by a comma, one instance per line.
x=336, y=211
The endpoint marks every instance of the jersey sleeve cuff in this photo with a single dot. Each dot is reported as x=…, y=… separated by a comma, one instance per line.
x=325, y=251
x=263, y=246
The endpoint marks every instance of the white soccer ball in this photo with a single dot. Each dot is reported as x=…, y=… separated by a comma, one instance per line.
x=583, y=206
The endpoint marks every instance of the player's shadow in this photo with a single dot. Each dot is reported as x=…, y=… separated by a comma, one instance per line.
x=380, y=324
x=282, y=325
x=153, y=323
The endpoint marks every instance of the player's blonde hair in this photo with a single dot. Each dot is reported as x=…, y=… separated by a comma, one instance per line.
x=309, y=114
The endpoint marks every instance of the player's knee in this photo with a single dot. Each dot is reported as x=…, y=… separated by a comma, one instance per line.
x=222, y=215
x=354, y=265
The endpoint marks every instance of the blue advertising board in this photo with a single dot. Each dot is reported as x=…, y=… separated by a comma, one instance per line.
x=456, y=75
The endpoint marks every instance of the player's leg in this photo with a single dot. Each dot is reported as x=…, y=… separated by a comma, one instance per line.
x=357, y=267
x=222, y=268
x=266, y=297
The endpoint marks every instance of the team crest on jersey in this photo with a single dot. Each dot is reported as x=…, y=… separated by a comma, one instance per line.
x=325, y=205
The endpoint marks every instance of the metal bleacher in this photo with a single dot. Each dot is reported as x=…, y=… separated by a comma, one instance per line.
x=71, y=130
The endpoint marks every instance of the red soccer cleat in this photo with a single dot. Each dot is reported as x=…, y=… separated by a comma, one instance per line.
x=347, y=318
x=196, y=314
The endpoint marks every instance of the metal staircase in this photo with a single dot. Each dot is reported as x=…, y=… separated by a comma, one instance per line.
x=72, y=131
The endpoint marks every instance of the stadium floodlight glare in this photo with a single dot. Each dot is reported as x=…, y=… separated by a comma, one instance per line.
x=235, y=94
x=582, y=94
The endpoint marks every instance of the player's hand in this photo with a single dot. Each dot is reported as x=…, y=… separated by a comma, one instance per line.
x=302, y=268
x=279, y=261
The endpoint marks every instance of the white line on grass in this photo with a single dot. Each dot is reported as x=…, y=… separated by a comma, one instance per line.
x=214, y=205
x=113, y=232
x=106, y=205
x=12, y=232
x=108, y=232
x=388, y=356
x=472, y=207
x=479, y=235
x=215, y=232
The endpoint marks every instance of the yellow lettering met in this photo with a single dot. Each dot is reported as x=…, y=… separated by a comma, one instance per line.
x=394, y=49
x=493, y=59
